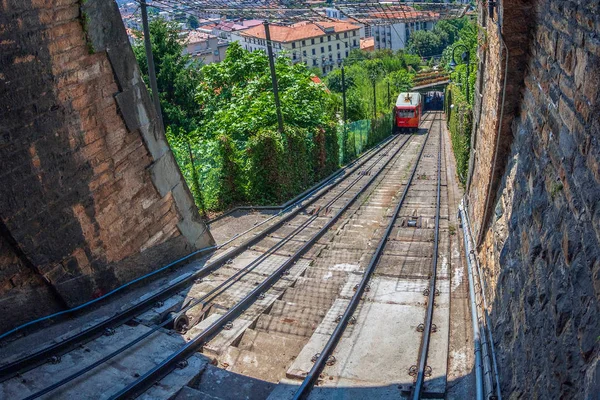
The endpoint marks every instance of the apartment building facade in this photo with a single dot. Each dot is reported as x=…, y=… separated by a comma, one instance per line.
x=204, y=46
x=395, y=35
x=317, y=44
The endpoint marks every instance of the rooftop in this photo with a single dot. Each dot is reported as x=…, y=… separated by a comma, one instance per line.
x=197, y=36
x=300, y=30
x=367, y=43
x=229, y=26
x=406, y=13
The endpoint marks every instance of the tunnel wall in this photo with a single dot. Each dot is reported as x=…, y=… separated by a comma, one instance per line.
x=90, y=194
x=539, y=242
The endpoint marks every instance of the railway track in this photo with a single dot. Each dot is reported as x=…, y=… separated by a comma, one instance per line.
x=340, y=367
x=224, y=252
x=207, y=302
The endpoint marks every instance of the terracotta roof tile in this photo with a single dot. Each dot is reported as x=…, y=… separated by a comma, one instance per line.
x=197, y=36
x=367, y=43
x=300, y=30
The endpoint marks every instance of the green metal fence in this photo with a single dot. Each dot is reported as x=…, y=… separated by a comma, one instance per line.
x=362, y=135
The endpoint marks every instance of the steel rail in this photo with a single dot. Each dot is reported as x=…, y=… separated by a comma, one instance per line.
x=312, y=376
x=213, y=293
x=201, y=252
x=33, y=360
x=144, y=382
x=429, y=316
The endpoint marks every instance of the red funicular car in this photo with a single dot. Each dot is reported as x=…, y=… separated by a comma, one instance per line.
x=407, y=112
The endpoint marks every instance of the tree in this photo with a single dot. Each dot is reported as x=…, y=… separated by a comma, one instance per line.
x=400, y=81
x=467, y=36
x=368, y=68
x=193, y=22
x=237, y=98
x=177, y=75
x=334, y=81
x=374, y=69
x=425, y=43
x=356, y=107
x=432, y=43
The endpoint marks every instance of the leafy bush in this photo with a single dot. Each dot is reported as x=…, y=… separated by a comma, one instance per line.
x=177, y=74
x=432, y=43
x=459, y=112
x=382, y=66
x=460, y=121
x=236, y=154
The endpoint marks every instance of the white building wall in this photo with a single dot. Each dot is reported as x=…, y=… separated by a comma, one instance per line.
x=395, y=36
x=322, y=52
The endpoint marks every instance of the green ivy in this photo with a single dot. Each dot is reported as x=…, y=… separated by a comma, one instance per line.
x=460, y=121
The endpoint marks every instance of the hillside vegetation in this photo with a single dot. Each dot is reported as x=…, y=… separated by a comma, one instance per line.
x=221, y=123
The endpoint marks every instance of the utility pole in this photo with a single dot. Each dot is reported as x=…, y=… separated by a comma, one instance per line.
x=196, y=181
x=345, y=115
x=150, y=60
x=389, y=99
x=273, y=75
x=374, y=100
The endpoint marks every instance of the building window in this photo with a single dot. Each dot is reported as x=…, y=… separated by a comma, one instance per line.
x=294, y=55
x=329, y=47
x=346, y=44
x=338, y=46
x=314, y=51
x=293, y=45
x=304, y=53
x=322, y=50
x=345, y=34
x=354, y=42
x=315, y=62
x=339, y=56
x=304, y=43
x=312, y=41
x=321, y=39
x=337, y=36
x=354, y=33
x=329, y=38
x=346, y=53
x=330, y=57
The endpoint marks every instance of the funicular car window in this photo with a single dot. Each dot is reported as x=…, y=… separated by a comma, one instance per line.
x=406, y=113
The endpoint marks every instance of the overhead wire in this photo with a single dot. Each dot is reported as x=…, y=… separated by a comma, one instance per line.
x=366, y=12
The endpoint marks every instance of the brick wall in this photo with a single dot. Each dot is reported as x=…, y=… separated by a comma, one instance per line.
x=90, y=194
x=540, y=240
x=486, y=169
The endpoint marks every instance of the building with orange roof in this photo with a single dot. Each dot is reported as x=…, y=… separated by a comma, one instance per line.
x=317, y=44
x=367, y=44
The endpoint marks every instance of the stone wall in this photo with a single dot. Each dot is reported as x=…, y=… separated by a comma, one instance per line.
x=90, y=195
x=540, y=239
